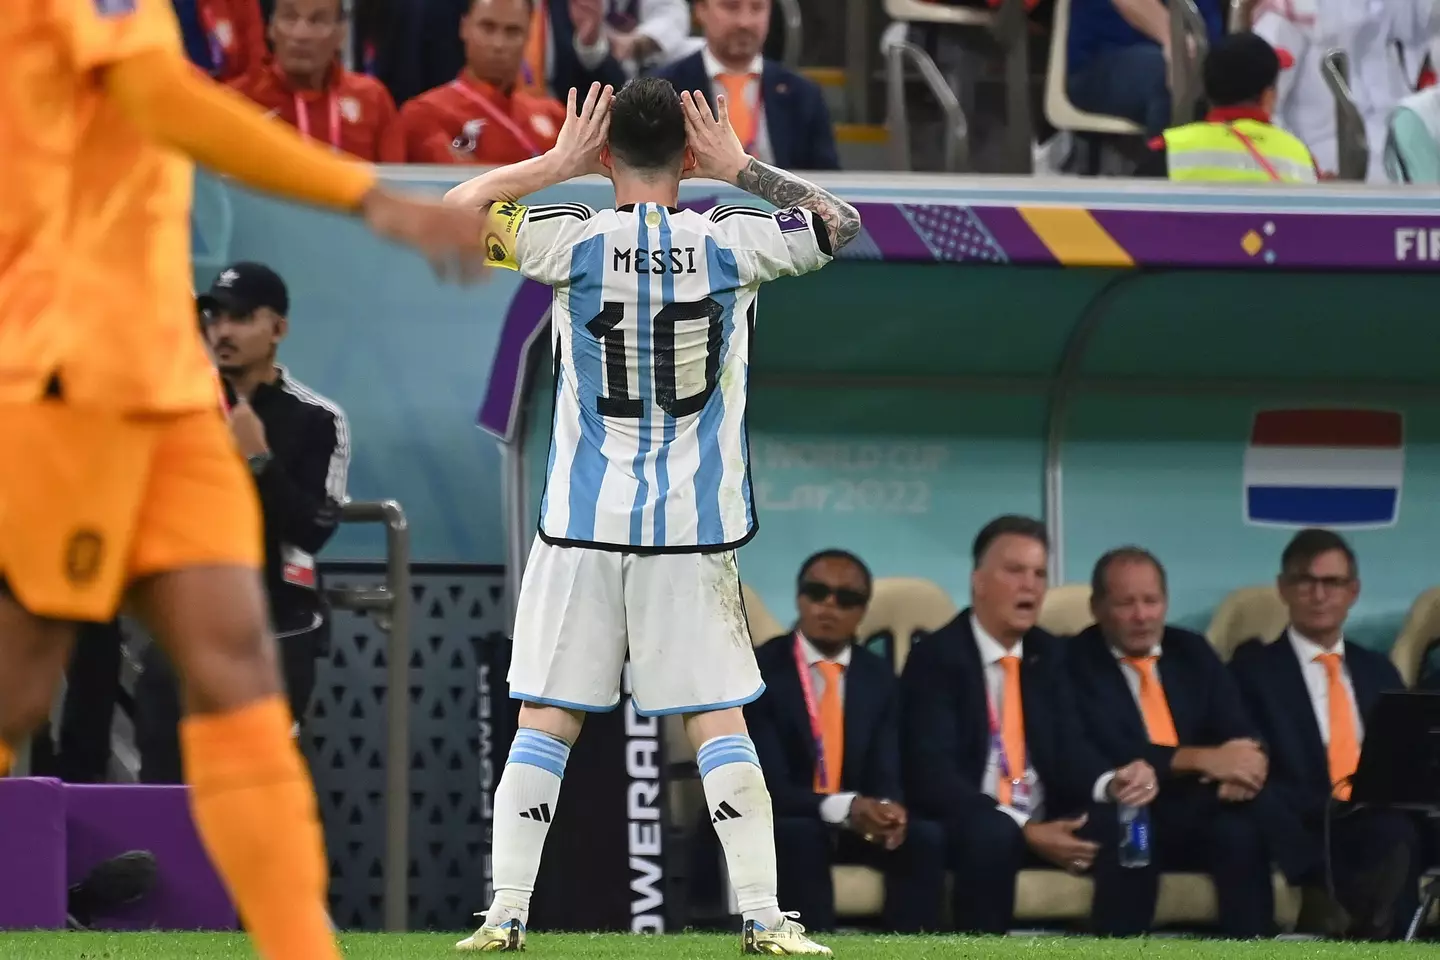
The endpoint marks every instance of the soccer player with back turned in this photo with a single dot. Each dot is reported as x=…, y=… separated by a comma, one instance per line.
x=648, y=493
x=119, y=474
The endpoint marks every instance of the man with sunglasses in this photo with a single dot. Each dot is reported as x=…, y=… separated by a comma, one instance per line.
x=827, y=732
x=1310, y=692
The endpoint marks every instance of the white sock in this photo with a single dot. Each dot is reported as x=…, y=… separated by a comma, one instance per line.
x=740, y=810
x=524, y=806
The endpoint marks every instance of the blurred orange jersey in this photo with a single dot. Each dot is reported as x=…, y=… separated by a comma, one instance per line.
x=95, y=286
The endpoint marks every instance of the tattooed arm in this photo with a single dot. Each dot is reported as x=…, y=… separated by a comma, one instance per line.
x=718, y=154
x=842, y=221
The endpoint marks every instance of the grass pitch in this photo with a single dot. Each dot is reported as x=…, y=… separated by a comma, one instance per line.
x=561, y=946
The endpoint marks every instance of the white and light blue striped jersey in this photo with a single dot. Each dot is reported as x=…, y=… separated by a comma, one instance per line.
x=653, y=315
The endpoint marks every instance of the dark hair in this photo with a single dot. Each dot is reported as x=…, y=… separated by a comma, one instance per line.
x=529, y=5
x=1098, y=584
x=1010, y=523
x=834, y=554
x=647, y=125
x=1310, y=543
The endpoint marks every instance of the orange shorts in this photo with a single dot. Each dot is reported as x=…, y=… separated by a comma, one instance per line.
x=91, y=500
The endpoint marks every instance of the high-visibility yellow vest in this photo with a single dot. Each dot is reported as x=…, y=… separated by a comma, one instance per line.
x=1213, y=152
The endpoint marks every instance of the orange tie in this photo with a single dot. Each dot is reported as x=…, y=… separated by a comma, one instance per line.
x=1012, y=730
x=832, y=727
x=1158, y=723
x=535, y=48
x=1344, y=749
x=742, y=114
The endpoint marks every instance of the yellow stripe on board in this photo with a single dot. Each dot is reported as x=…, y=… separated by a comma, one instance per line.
x=1075, y=237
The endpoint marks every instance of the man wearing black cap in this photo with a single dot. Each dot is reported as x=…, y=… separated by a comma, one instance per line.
x=1236, y=142
x=298, y=446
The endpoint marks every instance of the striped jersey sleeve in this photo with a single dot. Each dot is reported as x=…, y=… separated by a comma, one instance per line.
x=771, y=244
x=544, y=236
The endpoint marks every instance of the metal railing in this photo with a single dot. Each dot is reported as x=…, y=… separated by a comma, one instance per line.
x=898, y=51
x=794, y=22
x=1189, y=43
x=390, y=605
x=1352, y=146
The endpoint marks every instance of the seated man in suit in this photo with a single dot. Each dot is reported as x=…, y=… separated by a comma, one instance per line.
x=827, y=732
x=779, y=116
x=1154, y=691
x=993, y=746
x=1310, y=692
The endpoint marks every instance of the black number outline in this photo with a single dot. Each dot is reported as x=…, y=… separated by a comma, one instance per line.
x=617, y=402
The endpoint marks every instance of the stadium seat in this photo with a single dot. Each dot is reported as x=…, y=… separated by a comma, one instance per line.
x=763, y=624
x=1054, y=897
x=1422, y=625
x=1062, y=114
x=1186, y=899
x=1066, y=609
x=903, y=607
x=1245, y=613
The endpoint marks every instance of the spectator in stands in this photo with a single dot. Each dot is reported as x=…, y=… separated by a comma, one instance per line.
x=1159, y=692
x=305, y=85
x=827, y=732
x=1119, y=58
x=993, y=745
x=564, y=50
x=1311, y=692
x=297, y=444
x=646, y=33
x=483, y=116
x=779, y=116
x=1385, y=42
x=1236, y=142
x=225, y=38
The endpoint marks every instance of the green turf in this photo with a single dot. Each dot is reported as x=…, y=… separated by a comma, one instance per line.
x=208, y=946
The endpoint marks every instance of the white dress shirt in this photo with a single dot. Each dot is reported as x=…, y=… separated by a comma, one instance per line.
x=836, y=807
x=713, y=68
x=991, y=650
x=1317, y=682
x=667, y=22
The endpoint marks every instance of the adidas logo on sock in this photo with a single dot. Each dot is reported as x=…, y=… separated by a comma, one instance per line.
x=540, y=813
x=724, y=812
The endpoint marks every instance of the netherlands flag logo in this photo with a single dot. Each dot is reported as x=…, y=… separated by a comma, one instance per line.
x=1324, y=468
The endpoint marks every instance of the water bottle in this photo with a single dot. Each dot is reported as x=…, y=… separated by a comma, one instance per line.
x=1134, y=835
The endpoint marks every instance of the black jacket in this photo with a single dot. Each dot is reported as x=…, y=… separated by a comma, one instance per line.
x=301, y=489
x=945, y=732
x=1273, y=685
x=781, y=730
x=1203, y=698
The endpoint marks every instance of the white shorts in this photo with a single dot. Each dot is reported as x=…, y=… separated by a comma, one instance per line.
x=679, y=616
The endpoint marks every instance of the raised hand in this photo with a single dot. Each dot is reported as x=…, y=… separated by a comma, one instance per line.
x=577, y=148
x=719, y=155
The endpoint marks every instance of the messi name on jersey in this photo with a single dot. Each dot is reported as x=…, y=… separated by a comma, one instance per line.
x=658, y=261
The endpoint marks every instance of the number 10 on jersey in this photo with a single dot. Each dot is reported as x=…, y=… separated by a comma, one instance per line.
x=673, y=317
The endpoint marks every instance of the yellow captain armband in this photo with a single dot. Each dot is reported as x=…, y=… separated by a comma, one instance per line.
x=502, y=234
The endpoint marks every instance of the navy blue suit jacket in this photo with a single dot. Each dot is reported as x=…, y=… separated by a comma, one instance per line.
x=796, y=118
x=1203, y=698
x=1274, y=689
x=945, y=727
x=780, y=727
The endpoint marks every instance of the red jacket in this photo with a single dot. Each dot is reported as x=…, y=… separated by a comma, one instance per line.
x=236, y=34
x=354, y=112
x=469, y=121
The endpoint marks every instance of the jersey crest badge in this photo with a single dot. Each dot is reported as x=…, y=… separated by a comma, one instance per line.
x=469, y=137
x=350, y=109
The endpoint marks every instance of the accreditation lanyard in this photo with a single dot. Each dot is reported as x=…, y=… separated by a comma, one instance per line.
x=495, y=113
x=1019, y=789
x=302, y=118
x=1249, y=145
x=808, y=690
